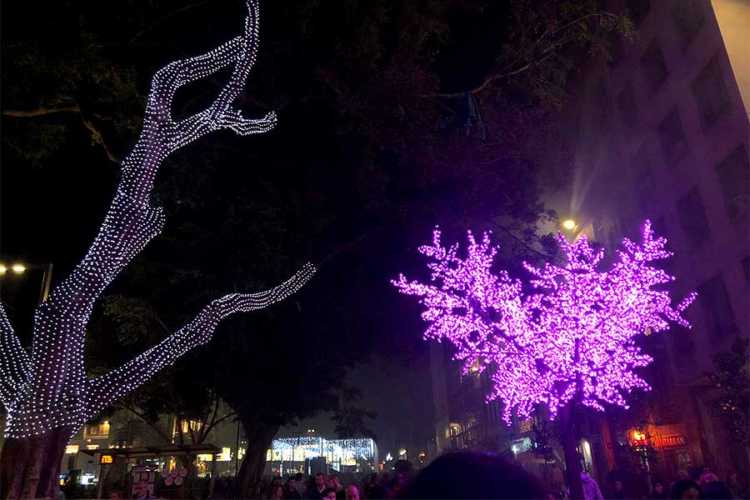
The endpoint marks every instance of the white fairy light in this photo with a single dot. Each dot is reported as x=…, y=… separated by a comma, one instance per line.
x=49, y=389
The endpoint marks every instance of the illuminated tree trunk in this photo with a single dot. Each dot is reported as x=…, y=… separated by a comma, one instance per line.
x=47, y=392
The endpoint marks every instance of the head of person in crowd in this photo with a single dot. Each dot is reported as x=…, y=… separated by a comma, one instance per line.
x=715, y=490
x=291, y=490
x=333, y=482
x=469, y=474
x=685, y=489
x=329, y=494
x=707, y=477
x=403, y=471
x=277, y=492
x=299, y=482
x=352, y=492
x=659, y=489
x=320, y=481
x=682, y=474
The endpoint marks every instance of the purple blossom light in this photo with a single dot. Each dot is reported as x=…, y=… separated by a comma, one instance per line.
x=572, y=339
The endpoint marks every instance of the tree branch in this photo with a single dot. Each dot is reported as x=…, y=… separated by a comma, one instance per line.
x=217, y=422
x=96, y=135
x=507, y=72
x=153, y=425
x=98, y=138
x=14, y=361
x=120, y=381
x=40, y=111
x=131, y=222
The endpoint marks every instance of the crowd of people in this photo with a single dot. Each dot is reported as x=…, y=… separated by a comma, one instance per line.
x=697, y=483
x=484, y=475
x=329, y=487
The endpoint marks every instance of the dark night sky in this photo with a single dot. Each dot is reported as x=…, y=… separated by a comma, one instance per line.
x=50, y=212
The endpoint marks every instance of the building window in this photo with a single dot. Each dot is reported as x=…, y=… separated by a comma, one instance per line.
x=643, y=178
x=717, y=311
x=689, y=17
x=644, y=186
x=601, y=105
x=99, y=431
x=659, y=226
x=638, y=10
x=692, y=217
x=710, y=93
x=672, y=136
x=653, y=66
x=626, y=105
x=683, y=346
x=734, y=177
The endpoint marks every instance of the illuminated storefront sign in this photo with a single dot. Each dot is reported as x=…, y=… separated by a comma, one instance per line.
x=658, y=436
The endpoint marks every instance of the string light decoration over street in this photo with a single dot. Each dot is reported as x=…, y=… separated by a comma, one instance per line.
x=48, y=389
x=571, y=340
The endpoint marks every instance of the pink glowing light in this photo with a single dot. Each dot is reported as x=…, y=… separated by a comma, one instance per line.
x=573, y=338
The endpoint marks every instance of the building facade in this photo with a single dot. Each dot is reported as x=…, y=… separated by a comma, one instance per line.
x=661, y=133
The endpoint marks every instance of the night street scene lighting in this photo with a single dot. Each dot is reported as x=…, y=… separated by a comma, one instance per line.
x=484, y=249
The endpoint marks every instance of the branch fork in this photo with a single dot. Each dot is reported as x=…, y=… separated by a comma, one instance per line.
x=49, y=389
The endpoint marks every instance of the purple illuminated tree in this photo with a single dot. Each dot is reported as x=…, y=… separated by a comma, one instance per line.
x=47, y=393
x=569, y=342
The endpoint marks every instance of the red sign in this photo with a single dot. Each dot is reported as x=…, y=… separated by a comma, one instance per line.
x=667, y=436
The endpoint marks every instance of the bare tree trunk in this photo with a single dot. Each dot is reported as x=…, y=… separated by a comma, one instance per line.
x=29, y=467
x=569, y=440
x=259, y=438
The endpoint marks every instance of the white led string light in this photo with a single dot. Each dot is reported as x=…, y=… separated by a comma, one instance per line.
x=50, y=389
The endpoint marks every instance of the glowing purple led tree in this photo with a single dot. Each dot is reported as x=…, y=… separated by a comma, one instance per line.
x=571, y=341
x=46, y=393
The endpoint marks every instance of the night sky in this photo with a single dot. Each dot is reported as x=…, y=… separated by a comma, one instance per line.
x=57, y=185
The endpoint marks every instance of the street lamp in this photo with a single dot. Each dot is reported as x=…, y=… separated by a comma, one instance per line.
x=19, y=268
x=569, y=224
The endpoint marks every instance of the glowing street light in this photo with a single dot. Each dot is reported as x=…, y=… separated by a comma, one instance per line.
x=569, y=224
x=18, y=268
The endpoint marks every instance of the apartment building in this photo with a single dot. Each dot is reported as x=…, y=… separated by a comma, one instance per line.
x=661, y=132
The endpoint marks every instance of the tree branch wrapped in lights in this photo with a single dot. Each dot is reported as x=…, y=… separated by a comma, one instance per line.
x=47, y=394
x=571, y=342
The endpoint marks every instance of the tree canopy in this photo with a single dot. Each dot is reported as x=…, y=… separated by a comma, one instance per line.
x=393, y=116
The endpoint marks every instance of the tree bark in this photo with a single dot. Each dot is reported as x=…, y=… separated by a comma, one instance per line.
x=29, y=467
x=569, y=439
x=259, y=437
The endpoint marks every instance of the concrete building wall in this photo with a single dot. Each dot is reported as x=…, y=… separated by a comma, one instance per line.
x=663, y=134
